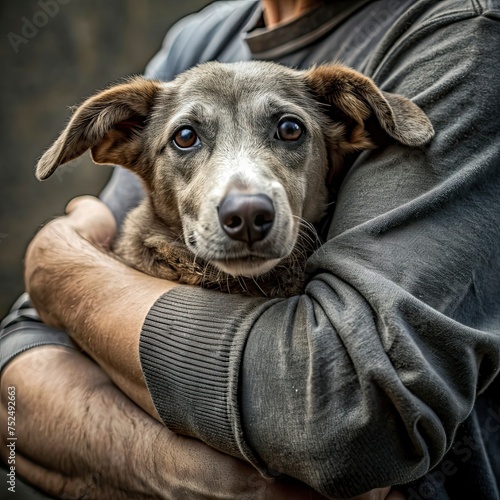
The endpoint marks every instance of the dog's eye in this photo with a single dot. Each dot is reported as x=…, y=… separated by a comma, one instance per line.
x=186, y=138
x=289, y=129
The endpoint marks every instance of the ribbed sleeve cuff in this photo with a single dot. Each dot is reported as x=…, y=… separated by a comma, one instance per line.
x=191, y=349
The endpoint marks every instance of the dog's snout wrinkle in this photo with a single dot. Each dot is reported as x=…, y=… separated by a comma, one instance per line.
x=246, y=217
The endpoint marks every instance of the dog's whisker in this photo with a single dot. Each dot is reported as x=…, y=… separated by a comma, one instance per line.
x=258, y=286
x=308, y=233
x=243, y=285
x=208, y=271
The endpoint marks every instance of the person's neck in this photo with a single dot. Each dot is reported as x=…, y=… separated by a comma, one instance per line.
x=281, y=11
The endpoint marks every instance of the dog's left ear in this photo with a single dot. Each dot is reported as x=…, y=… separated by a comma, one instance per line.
x=109, y=124
x=356, y=98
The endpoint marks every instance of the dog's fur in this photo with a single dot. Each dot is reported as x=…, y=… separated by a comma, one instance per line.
x=234, y=109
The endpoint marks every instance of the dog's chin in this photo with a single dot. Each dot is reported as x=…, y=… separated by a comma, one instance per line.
x=246, y=267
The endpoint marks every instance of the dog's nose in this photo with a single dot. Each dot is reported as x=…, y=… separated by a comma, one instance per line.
x=246, y=217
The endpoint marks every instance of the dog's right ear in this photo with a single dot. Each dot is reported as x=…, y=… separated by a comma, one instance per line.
x=109, y=123
x=357, y=97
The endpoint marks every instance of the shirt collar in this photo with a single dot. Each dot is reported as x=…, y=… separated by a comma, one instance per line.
x=272, y=43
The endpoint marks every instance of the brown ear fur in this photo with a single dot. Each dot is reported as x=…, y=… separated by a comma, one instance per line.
x=354, y=98
x=109, y=123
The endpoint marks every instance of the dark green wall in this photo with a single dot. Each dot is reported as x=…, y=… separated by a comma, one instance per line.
x=78, y=47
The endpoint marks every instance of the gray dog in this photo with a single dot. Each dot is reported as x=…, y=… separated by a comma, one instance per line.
x=238, y=161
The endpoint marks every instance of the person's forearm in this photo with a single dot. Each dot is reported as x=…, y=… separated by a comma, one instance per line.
x=96, y=299
x=73, y=428
x=78, y=436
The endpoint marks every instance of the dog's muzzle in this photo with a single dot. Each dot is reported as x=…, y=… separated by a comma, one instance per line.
x=246, y=217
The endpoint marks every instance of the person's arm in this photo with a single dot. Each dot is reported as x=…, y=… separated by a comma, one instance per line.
x=84, y=290
x=77, y=436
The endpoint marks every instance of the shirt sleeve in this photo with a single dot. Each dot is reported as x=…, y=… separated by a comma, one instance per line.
x=362, y=380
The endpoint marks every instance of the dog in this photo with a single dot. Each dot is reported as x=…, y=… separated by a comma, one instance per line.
x=238, y=162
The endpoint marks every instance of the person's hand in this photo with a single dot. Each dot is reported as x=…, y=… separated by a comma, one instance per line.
x=395, y=495
x=61, y=245
x=92, y=220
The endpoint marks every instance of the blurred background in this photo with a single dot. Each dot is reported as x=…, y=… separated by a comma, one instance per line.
x=53, y=54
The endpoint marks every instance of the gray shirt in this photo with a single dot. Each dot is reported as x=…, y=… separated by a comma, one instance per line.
x=384, y=371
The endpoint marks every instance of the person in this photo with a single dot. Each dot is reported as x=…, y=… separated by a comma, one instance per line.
x=384, y=372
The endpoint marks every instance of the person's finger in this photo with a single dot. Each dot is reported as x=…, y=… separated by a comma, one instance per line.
x=79, y=202
x=376, y=494
x=395, y=495
x=92, y=219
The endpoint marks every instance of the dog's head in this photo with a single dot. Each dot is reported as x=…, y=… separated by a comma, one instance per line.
x=236, y=157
